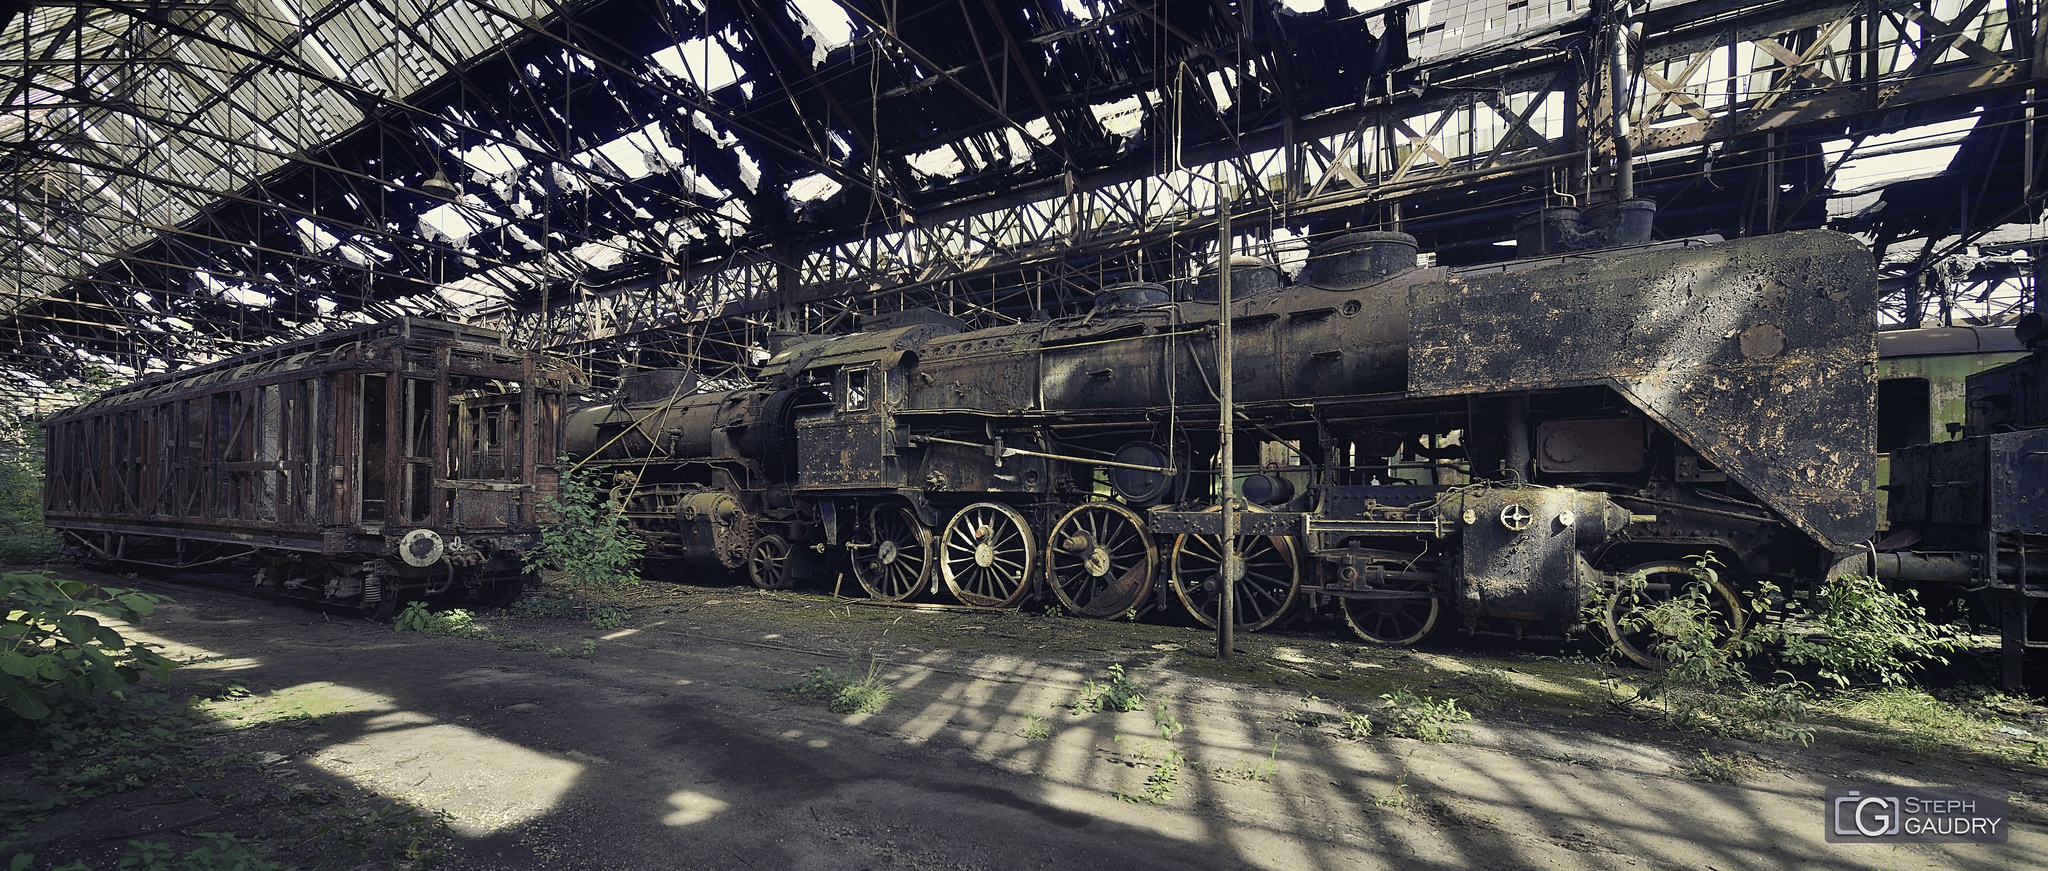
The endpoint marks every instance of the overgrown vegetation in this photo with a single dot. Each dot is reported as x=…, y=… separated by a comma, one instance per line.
x=1120, y=694
x=847, y=694
x=589, y=538
x=54, y=652
x=1423, y=718
x=24, y=540
x=1867, y=634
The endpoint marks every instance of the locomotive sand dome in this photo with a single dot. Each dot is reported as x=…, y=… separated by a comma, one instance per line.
x=358, y=468
x=1486, y=442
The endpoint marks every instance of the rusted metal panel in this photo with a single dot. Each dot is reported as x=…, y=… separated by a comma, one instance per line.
x=2019, y=481
x=1756, y=353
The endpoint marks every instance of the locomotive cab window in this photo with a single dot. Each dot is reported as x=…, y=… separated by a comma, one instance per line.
x=1903, y=413
x=853, y=391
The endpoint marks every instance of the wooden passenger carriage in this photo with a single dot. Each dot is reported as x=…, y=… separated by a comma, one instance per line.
x=394, y=460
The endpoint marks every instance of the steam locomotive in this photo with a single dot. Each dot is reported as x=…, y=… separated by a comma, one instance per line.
x=1426, y=445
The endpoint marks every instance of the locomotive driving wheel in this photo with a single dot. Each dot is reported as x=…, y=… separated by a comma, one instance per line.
x=768, y=563
x=1629, y=621
x=896, y=561
x=1266, y=574
x=1100, y=561
x=1390, y=619
x=986, y=555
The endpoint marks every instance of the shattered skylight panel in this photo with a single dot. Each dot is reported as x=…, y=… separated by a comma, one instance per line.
x=312, y=238
x=1302, y=6
x=601, y=255
x=702, y=62
x=1084, y=11
x=750, y=169
x=456, y=223
x=494, y=159
x=1913, y=153
x=826, y=24
x=639, y=153
x=1122, y=117
x=941, y=162
x=813, y=188
x=709, y=128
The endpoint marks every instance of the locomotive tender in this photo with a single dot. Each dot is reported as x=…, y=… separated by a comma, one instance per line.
x=1480, y=445
x=357, y=468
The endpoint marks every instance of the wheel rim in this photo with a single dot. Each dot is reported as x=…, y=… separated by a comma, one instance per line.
x=1663, y=581
x=1391, y=621
x=1265, y=584
x=896, y=562
x=1099, y=560
x=986, y=555
x=768, y=563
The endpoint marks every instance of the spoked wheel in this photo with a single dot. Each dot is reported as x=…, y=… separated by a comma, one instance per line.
x=768, y=563
x=1633, y=627
x=896, y=561
x=1266, y=574
x=1392, y=620
x=1100, y=561
x=986, y=555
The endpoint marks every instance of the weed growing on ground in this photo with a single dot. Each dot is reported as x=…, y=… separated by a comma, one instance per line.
x=589, y=647
x=1396, y=798
x=1169, y=728
x=589, y=538
x=1355, y=727
x=1868, y=633
x=1119, y=694
x=2039, y=754
x=54, y=651
x=846, y=694
x=524, y=644
x=1423, y=718
x=609, y=617
x=417, y=617
x=1035, y=728
x=1055, y=611
x=1159, y=785
x=1917, y=720
x=1715, y=768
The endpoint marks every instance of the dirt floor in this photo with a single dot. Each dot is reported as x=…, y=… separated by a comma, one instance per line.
x=674, y=740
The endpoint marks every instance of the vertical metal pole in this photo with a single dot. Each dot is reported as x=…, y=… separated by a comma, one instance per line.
x=1226, y=598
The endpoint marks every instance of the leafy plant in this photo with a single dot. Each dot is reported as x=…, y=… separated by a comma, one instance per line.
x=1396, y=798
x=1035, y=728
x=609, y=617
x=589, y=537
x=1706, y=684
x=845, y=694
x=53, y=651
x=1304, y=716
x=1868, y=632
x=1424, y=718
x=589, y=647
x=1355, y=727
x=1119, y=694
x=1169, y=728
x=23, y=537
x=417, y=617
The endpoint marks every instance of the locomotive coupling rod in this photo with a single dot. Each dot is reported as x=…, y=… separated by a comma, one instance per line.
x=1020, y=452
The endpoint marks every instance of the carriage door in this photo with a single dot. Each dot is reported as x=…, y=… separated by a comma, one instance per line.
x=851, y=447
x=417, y=451
x=486, y=432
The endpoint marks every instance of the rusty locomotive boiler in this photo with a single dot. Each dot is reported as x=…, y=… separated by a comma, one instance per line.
x=360, y=468
x=1418, y=446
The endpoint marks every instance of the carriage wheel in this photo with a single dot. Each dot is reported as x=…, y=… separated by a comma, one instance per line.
x=1266, y=573
x=986, y=555
x=1628, y=607
x=896, y=562
x=768, y=563
x=1100, y=561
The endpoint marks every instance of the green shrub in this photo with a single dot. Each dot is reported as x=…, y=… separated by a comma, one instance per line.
x=53, y=651
x=1868, y=634
x=417, y=617
x=590, y=539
